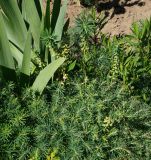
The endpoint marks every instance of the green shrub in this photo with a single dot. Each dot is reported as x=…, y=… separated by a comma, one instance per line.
x=80, y=121
x=18, y=121
x=86, y=56
x=135, y=62
x=130, y=59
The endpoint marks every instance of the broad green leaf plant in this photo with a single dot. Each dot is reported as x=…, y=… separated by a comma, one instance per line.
x=22, y=48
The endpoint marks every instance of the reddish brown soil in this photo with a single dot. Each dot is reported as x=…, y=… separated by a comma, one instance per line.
x=119, y=23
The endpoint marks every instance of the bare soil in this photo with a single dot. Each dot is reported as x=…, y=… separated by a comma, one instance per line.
x=119, y=21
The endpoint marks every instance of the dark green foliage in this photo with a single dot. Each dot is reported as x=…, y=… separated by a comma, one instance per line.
x=19, y=118
x=89, y=23
x=103, y=122
x=87, y=3
x=87, y=54
x=82, y=121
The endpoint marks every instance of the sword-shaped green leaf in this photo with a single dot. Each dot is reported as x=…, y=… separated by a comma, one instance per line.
x=27, y=56
x=26, y=63
x=17, y=55
x=32, y=17
x=55, y=14
x=6, y=58
x=60, y=21
x=47, y=16
x=14, y=23
x=46, y=74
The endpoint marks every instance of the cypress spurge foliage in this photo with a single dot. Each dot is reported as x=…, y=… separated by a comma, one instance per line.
x=82, y=121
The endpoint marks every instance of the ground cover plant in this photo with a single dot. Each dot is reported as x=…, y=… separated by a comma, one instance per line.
x=92, y=121
x=97, y=104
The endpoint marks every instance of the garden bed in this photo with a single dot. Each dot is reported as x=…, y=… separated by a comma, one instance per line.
x=72, y=92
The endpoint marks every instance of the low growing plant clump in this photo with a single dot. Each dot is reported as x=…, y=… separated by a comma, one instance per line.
x=81, y=121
